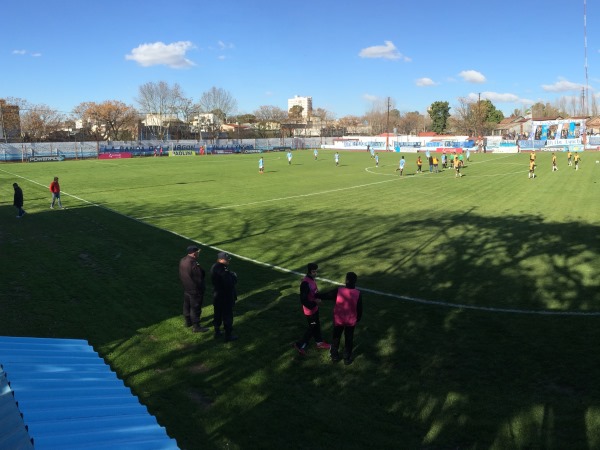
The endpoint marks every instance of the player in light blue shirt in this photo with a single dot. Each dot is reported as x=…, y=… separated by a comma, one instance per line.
x=401, y=166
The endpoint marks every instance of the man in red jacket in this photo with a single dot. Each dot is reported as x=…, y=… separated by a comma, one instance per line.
x=55, y=189
x=347, y=312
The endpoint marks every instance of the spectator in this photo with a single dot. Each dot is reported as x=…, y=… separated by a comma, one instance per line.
x=192, y=278
x=55, y=189
x=310, y=307
x=18, y=200
x=224, y=296
x=347, y=312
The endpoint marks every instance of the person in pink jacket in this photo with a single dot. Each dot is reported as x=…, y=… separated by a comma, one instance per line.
x=347, y=312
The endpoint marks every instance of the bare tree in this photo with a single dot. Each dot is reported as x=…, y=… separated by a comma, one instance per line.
x=411, y=123
x=160, y=102
x=350, y=124
x=268, y=113
x=219, y=102
x=269, y=120
x=377, y=116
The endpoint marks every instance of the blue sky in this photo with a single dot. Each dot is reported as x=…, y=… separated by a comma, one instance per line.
x=345, y=55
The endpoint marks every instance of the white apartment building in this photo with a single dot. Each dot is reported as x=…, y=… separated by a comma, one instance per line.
x=305, y=102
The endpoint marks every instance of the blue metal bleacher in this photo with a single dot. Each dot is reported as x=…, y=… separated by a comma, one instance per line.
x=60, y=394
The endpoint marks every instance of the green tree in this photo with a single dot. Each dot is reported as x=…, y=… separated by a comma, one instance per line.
x=439, y=113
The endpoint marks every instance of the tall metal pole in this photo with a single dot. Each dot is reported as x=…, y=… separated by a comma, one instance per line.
x=387, y=126
x=587, y=89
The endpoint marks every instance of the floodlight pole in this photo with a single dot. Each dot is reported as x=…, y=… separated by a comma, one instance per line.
x=387, y=126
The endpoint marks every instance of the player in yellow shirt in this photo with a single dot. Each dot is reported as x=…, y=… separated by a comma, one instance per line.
x=569, y=155
x=531, y=168
x=456, y=166
x=576, y=159
x=532, y=156
x=554, y=166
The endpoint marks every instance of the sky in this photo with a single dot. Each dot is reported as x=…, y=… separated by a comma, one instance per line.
x=347, y=55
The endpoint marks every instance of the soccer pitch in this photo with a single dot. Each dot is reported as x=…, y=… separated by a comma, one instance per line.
x=481, y=294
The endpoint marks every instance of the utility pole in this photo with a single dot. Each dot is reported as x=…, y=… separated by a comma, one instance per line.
x=387, y=126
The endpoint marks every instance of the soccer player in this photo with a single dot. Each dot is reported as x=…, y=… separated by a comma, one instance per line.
x=456, y=167
x=316, y=154
x=554, y=166
x=569, y=156
x=419, y=164
x=401, y=165
x=336, y=157
x=576, y=159
x=261, y=165
x=376, y=160
x=289, y=157
x=531, y=167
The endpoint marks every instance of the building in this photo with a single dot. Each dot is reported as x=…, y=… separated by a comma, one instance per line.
x=304, y=102
x=10, y=121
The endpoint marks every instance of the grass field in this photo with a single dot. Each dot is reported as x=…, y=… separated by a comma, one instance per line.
x=482, y=299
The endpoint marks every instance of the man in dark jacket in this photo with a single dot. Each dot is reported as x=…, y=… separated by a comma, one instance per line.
x=309, y=299
x=224, y=296
x=18, y=200
x=192, y=279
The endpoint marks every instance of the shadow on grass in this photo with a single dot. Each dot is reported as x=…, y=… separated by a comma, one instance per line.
x=425, y=376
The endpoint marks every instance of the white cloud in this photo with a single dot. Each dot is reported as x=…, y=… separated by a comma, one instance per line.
x=223, y=46
x=25, y=52
x=561, y=85
x=421, y=82
x=159, y=53
x=221, y=57
x=472, y=76
x=387, y=51
x=370, y=98
x=497, y=97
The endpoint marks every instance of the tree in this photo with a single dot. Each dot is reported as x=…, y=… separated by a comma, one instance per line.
x=377, y=116
x=269, y=119
x=295, y=112
x=325, y=117
x=411, y=123
x=439, y=112
x=218, y=101
x=478, y=117
x=541, y=110
x=111, y=119
x=269, y=113
x=351, y=124
x=161, y=103
x=39, y=121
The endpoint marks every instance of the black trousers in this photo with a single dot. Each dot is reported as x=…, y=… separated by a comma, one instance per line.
x=313, y=330
x=223, y=315
x=192, y=306
x=348, y=332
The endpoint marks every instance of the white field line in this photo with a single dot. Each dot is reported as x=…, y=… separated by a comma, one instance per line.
x=421, y=301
